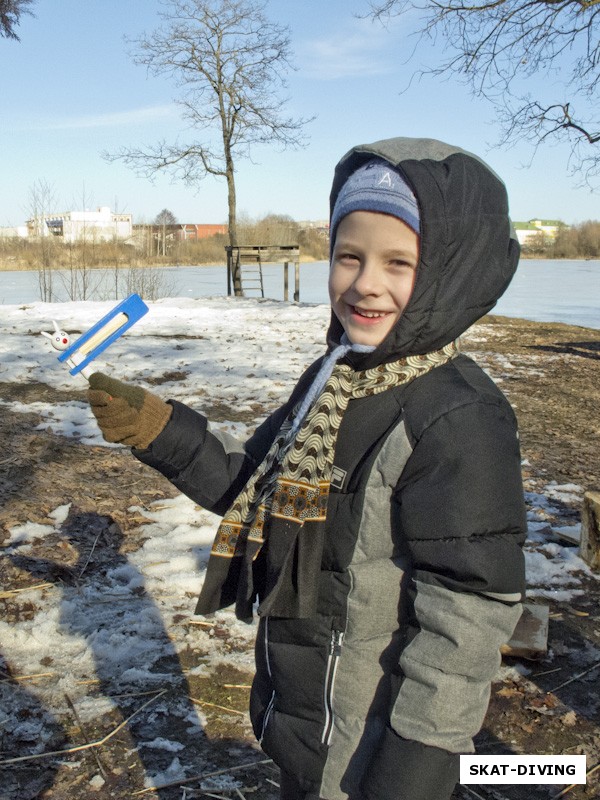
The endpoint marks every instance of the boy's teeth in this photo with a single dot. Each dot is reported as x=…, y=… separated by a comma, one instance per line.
x=369, y=313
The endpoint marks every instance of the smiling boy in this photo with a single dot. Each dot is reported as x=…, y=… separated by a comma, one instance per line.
x=378, y=516
x=372, y=275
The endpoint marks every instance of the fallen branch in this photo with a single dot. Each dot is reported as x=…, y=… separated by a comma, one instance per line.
x=85, y=736
x=547, y=672
x=479, y=796
x=576, y=678
x=472, y=792
x=154, y=564
x=79, y=748
x=27, y=677
x=131, y=694
x=10, y=592
x=203, y=777
x=89, y=558
x=573, y=785
x=214, y=705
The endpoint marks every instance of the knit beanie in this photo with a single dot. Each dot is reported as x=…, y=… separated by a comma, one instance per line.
x=376, y=186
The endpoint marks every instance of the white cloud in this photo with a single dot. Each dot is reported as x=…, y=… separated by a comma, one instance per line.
x=358, y=49
x=117, y=119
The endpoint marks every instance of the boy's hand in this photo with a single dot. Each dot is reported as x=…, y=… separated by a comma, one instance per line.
x=126, y=414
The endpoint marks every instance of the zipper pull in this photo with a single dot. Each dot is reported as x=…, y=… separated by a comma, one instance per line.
x=336, y=642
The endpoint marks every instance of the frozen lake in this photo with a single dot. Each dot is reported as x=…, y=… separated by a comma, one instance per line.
x=551, y=291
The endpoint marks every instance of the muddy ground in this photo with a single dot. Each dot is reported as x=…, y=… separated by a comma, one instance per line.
x=551, y=374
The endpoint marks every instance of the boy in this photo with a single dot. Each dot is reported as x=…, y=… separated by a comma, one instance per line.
x=378, y=516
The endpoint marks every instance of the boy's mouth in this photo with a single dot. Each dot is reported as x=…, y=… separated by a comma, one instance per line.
x=366, y=314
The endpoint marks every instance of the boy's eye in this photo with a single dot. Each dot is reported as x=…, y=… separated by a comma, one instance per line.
x=347, y=258
x=402, y=263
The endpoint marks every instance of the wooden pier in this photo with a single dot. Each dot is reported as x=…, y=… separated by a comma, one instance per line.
x=244, y=268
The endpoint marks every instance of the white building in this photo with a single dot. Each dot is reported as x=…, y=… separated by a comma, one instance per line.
x=101, y=225
x=19, y=232
x=528, y=232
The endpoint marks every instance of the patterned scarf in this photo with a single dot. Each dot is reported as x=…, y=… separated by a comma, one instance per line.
x=284, y=503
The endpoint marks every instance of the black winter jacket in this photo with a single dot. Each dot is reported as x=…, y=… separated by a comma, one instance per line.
x=422, y=570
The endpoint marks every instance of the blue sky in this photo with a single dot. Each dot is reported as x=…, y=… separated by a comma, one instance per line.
x=69, y=90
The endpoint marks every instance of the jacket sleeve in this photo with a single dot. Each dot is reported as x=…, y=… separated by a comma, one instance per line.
x=460, y=511
x=209, y=466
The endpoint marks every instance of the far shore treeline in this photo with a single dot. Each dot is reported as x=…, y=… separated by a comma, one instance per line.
x=571, y=242
x=576, y=241
x=50, y=252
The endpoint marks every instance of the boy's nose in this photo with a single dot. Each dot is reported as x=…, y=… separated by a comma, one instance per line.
x=368, y=280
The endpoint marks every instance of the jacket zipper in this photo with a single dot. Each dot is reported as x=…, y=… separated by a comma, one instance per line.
x=271, y=703
x=335, y=648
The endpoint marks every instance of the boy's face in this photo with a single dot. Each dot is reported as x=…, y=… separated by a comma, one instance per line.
x=373, y=270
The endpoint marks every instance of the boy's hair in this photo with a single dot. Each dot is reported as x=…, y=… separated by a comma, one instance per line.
x=376, y=186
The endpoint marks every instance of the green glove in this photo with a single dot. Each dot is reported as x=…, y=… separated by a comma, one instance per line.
x=126, y=414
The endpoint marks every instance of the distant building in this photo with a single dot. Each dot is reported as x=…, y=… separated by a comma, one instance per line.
x=314, y=224
x=72, y=226
x=162, y=237
x=526, y=231
x=18, y=232
x=185, y=231
x=195, y=231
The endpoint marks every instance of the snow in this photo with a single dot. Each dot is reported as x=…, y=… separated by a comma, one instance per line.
x=116, y=626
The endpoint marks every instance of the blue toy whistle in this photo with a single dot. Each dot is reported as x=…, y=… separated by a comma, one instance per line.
x=104, y=333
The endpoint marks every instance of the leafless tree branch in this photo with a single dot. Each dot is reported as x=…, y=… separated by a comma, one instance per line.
x=229, y=63
x=495, y=47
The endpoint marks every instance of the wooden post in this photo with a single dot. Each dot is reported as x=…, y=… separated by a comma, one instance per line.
x=297, y=281
x=256, y=255
x=530, y=639
x=589, y=548
x=228, y=250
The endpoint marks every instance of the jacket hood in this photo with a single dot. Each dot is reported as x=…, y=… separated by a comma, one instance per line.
x=469, y=250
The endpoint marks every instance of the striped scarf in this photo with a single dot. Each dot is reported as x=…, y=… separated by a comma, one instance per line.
x=284, y=502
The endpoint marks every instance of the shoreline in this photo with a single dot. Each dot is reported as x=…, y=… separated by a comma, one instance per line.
x=4, y=267
x=123, y=267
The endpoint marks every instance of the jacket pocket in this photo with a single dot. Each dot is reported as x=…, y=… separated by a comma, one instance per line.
x=335, y=649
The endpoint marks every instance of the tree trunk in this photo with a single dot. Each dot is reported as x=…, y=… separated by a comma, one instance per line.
x=232, y=224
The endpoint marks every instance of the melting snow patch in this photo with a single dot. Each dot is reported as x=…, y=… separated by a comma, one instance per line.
x=28, y=532
x=97, y=782
x=163, y=744
x=175, y=772
x=554, y=572
x=565, y=493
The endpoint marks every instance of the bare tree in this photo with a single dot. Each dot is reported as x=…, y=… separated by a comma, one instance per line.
x=81, y=281
x=496, y=46
x=165, y=218
x=10, y=16
x=229, y=63
x=41, y=203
